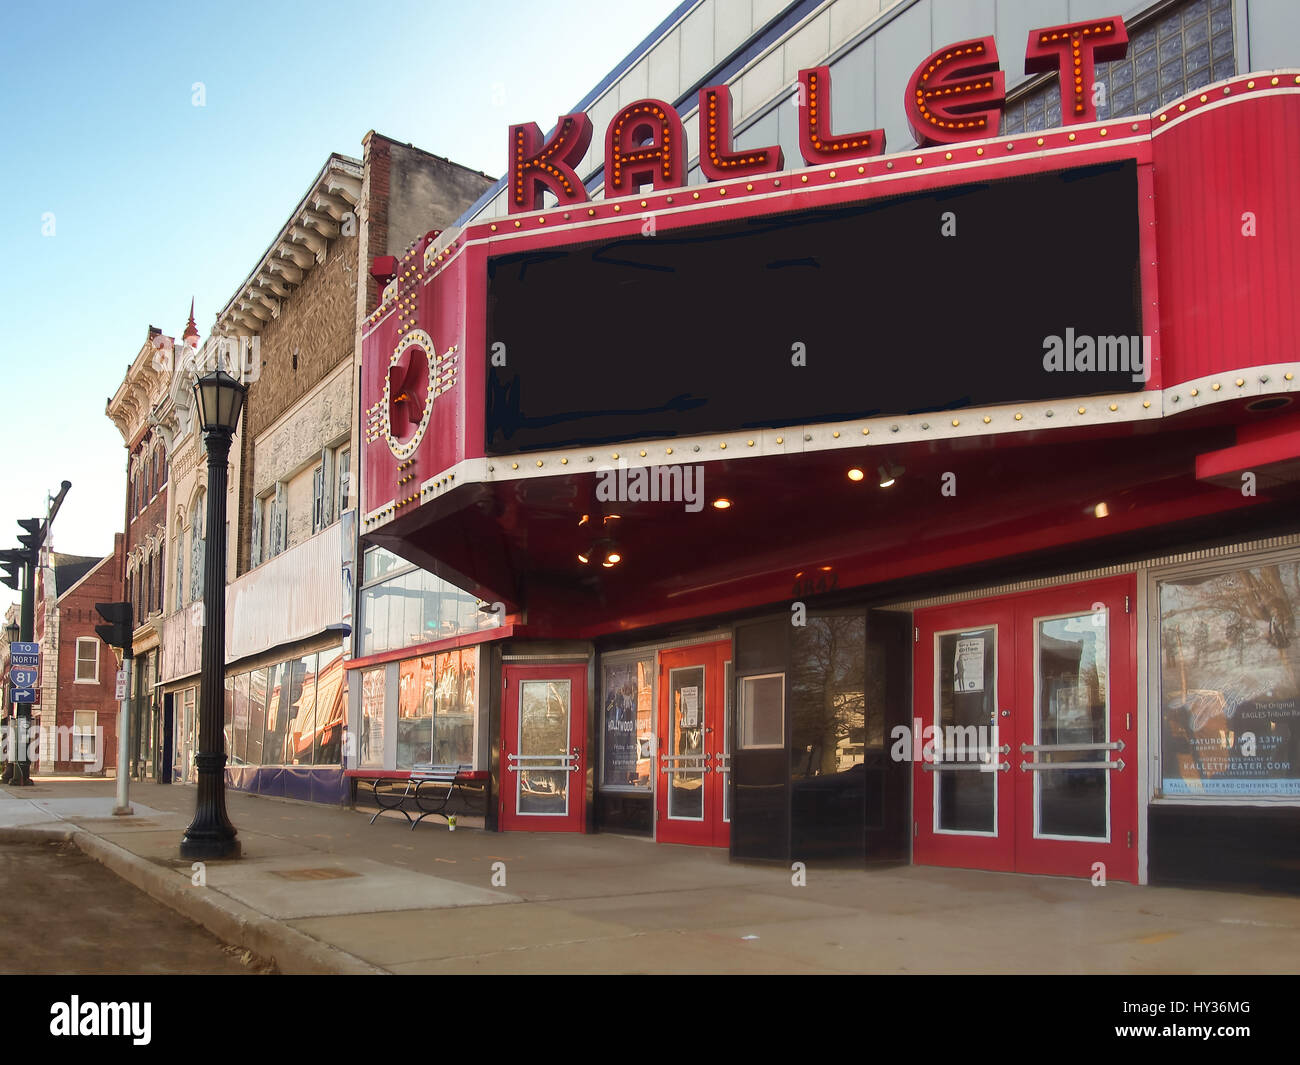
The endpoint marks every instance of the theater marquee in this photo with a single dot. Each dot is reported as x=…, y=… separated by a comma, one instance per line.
x=978, y=284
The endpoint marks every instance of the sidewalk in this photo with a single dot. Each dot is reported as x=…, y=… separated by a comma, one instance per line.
x=320, y=890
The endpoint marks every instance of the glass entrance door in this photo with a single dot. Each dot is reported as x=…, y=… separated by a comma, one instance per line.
x=964, y=788
x=1075, y=756
x=1035, y=779
x=543, y=778
x=694, y=746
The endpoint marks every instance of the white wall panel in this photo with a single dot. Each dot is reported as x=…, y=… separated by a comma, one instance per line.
x=292, y=597
x=853, y=91
x=697, y=44
x=732, y=25
x=900, y=47
x=664, y=67
x=1274, y=34
x=848, y=17
x=808, y=47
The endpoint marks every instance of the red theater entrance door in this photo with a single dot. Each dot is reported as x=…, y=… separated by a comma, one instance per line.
x=691, y=801
x=1028, y=758
x=543, y=730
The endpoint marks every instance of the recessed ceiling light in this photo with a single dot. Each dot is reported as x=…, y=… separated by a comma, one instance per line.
x=856, y=474
x=721, y=504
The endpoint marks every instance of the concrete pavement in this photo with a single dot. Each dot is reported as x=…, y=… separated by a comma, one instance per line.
x=320, y=890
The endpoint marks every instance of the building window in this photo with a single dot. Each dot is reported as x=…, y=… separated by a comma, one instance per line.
x=1229, y=654
x=85, y=743
x=627, y=724
x=87, y=660
x=196, y=548
x=343, y=490
x=160, y=569
x=403, y=605
x=179, y=547
x=319, y=518
x=1180, y=50
x=762, y=711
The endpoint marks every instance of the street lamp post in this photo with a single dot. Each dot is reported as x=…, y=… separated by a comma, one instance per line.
x=218, y=399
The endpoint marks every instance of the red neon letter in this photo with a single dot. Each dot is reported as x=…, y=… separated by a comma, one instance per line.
x=817, y=144
x=717, y=160
x=1083, y=43
x=957, y=94
x=535, y=166
x=644, y=146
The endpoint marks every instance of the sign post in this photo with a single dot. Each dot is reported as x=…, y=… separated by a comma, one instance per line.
x=117, y=634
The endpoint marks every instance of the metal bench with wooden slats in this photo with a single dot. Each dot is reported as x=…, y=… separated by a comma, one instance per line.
x=447, y=777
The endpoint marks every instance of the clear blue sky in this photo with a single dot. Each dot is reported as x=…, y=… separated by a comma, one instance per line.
x=156, y=200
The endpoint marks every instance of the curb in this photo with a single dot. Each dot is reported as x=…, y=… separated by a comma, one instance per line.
x=293, y=952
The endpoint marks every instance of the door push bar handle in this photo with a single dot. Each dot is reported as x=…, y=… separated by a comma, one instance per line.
x=536, y=757
x=1038, y=767
x=1027, y=748
x=968, y=767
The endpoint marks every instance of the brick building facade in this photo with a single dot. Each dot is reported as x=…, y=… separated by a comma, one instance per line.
x=78, y=715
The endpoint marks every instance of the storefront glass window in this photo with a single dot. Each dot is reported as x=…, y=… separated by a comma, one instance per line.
x=228, y=717
x=239, y=725
x=455, y=705
x=1229, y=663
x=331, y=708
x=627, y=733
x=371, y=753
x=301, y=719
x=279, y=682
x=256, y=715
x=415, y=687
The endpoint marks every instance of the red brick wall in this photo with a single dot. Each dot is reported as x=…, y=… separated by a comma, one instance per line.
x=78, y=617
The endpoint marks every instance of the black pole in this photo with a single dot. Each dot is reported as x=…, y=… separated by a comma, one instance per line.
x=211, y=835
x=22, y=774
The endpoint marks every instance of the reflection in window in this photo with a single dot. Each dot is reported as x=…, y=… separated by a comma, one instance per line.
x=256, y=715
x=279, y=682
x=1229, y=663
x=331, y=709
x=229, y=719
x=300, y=716
x=827, y=696
x=372, y=718
x=415, y=685
x=240, y=729
x=1073, y=686
x=402, y=606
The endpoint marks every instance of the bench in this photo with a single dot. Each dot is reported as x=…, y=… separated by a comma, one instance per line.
x=432, y=788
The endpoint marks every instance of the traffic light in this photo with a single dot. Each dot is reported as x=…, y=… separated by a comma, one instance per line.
x=117, y=633
x=35, y=535
x=12, y=563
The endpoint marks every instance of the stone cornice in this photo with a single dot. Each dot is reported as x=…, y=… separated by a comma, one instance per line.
x=323, y=214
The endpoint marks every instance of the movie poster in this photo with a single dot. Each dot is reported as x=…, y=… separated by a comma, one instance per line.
x=1228, y=691
x=627, y=725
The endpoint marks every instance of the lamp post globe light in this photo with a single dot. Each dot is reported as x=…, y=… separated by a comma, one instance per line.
x=218, y=400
